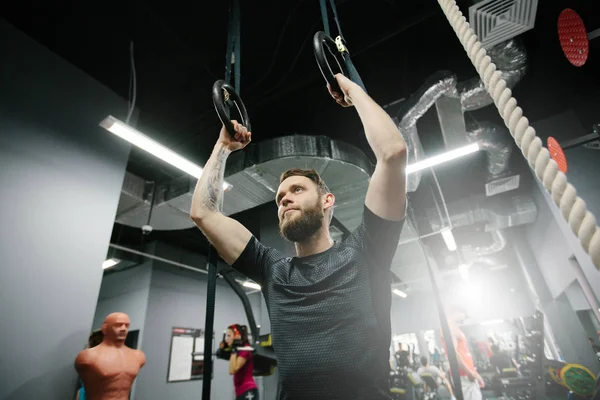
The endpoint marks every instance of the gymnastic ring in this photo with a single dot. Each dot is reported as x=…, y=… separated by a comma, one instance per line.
x=321, y=41
x=222, y=93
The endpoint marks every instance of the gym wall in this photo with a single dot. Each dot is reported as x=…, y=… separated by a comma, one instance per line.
x=60, y=181
x=127, y=292
x=546, y=246
x=552, y=243
x=161, y=297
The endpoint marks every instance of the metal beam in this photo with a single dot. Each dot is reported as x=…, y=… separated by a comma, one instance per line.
x=580, y=141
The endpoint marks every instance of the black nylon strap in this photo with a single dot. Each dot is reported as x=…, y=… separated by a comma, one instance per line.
x=446, y=333
x=213, y=259
x=233, y=55
x=352, y=72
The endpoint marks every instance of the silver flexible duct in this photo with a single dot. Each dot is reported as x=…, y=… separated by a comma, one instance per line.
x=439, y=84
x=498, y=244
x=496, y=142
x=510, y=58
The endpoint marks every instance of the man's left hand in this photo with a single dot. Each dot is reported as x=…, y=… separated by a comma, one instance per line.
x=347, y=86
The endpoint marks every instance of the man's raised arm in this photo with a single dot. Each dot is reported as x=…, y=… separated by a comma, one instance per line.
x=227, y=235
x=386, y=196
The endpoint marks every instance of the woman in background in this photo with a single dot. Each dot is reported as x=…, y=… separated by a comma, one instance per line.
x=94, y=340
x=241, y=363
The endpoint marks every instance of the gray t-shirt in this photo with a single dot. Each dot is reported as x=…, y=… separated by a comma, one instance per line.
x=433, y=371
x=330, y=313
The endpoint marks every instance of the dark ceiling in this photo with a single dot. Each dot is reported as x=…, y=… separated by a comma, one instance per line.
x=396, y=45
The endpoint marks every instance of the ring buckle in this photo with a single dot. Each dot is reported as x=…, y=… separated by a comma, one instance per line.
x=339, y=42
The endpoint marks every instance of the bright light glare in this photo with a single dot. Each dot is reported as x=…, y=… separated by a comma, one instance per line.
x=463, y=270
x=251, y=285
x=111, y=262
x=449, y=239
x=142, y=141
x=400, y=293
x=493, y=322
x=442, y=158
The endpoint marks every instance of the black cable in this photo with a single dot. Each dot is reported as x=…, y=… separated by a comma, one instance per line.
x=446, y=333
x=132, y=84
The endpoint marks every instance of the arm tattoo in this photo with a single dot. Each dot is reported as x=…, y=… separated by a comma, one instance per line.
x=212, y=196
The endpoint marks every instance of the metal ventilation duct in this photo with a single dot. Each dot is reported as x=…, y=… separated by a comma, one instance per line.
x=254, y=173
x=496, y=142
x=254, y=176
x=510, y=58
x=437, y=85
x=498, y=212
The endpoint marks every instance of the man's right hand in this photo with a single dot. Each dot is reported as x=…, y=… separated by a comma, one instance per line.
x=239, y=140
x=474, y=376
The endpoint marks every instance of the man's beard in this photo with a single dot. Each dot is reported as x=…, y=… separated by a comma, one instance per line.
x=304, y=226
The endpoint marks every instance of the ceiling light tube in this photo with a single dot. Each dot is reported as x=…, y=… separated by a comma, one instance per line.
x=251, y=285
x=111, y=262
x=449, y=239
x=400, y=293
x=142, y=141
x=442, y=158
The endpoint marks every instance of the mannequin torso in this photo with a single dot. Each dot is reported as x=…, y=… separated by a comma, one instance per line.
x=109, y=369
x=108, y=372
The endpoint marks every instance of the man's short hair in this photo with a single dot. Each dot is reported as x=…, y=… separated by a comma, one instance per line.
x=311, y=174
x=424, y=361
x=314, y=176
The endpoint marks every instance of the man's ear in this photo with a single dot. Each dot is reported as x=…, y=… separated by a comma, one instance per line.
x=328, y=200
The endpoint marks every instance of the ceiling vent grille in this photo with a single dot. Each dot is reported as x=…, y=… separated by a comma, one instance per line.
x=495, y=21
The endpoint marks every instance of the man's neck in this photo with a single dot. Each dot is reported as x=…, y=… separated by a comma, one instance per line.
x=318, y=243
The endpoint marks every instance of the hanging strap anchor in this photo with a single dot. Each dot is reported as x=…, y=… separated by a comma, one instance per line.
x=323, y=44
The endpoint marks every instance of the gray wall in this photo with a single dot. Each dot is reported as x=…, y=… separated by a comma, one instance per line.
x=60, y=180
x=127, y=292
x=178, y=298
x=566, y=328
x=551, y=231
x=488, y=298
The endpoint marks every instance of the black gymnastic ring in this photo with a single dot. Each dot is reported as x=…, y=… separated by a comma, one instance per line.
x=221, y=93
x=321, y=44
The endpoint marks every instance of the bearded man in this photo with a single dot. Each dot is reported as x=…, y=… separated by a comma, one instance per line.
x=329, y=305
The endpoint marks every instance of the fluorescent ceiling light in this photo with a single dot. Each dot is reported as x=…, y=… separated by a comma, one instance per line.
x=442, y=158
x=142, y=141
x=111, y=262
x=400, y=293
x=493, y=322
x=251, y=285
x=449, y=239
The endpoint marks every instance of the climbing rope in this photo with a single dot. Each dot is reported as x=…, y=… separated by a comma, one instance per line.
x=572, y=207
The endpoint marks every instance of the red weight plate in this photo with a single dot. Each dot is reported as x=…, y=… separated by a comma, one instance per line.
x=573, y=37
x=557, y=154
